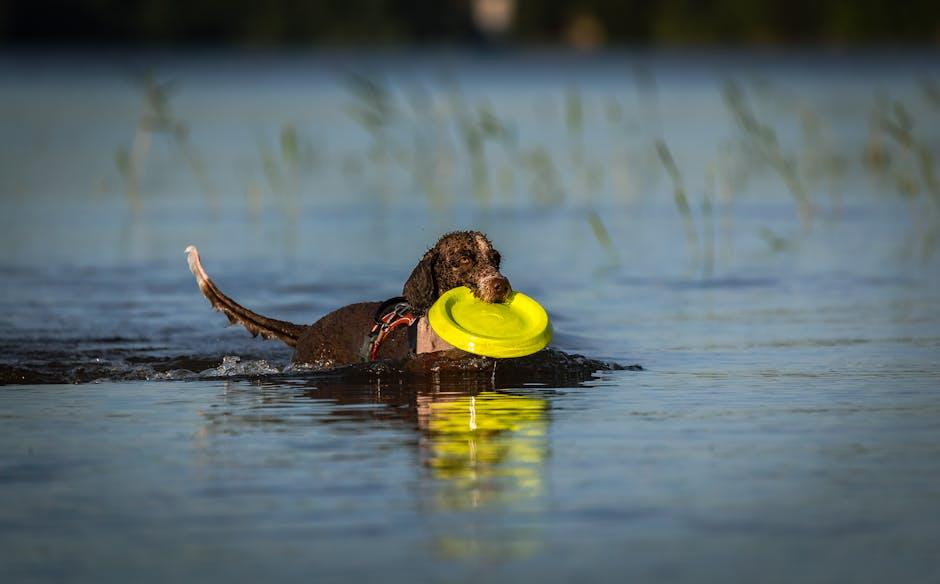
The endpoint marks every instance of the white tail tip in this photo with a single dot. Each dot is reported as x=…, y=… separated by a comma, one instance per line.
x=195, y=266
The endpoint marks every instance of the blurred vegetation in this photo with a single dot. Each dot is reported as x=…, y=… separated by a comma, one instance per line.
x=157, y=119
x=386, y=22
x=458, y=150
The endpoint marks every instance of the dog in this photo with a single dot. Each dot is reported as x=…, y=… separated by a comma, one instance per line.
x=394, y=329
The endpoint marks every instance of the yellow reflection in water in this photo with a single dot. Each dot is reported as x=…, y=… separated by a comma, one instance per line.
x=486, y=449
x=486, y=452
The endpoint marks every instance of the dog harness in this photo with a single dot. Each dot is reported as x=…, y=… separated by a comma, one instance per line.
x=392, y=314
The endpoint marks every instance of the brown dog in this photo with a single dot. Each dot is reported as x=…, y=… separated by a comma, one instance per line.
x=394, y=329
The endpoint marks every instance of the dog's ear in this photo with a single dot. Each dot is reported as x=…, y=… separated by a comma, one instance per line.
x=421, y=289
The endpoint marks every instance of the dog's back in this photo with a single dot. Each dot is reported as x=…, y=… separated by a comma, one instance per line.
x=337, y=338
x=334, y=340
x=346, y=336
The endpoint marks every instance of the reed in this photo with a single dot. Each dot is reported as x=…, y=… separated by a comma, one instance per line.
x=931, y=90
x=463, y=150
x=545, y=187
x=898, y=125
x=762, y=140
x=603, y=236
x=708, y=223
x=156, y=118
x=917, y=175
x=679, y=197
x=373, y=108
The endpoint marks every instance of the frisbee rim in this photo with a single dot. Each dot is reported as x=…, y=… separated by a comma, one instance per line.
x=462, y=336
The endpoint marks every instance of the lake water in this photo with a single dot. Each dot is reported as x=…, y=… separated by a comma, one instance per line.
x=757, y=231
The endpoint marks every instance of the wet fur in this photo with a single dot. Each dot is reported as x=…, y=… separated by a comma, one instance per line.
x=460, y=258
x=256, y=324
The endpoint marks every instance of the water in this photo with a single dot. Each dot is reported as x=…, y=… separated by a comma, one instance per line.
x=786, y=426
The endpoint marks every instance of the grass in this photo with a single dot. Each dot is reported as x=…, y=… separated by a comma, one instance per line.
x=156, y=120
x=678, y=194
x=761, y=140
x=462, y=150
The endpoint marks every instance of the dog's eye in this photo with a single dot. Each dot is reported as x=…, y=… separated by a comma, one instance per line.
x=464, y=261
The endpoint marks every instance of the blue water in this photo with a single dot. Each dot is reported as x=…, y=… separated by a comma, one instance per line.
x=786, y=427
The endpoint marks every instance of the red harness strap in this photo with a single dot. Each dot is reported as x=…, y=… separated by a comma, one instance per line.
x=400, y=314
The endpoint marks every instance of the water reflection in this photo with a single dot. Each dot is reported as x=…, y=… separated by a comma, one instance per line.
x=480, y=451
x=483, y=450
x=485, y=453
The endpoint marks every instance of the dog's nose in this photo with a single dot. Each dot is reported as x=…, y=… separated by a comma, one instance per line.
x=501, y=287
x=494, y=289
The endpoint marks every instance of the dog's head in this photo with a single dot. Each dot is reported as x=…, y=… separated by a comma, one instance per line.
x=461, y=258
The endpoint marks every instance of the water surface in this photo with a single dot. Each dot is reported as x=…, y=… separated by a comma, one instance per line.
x=786, y=427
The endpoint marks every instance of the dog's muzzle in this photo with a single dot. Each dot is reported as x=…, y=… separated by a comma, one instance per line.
x=494, y=289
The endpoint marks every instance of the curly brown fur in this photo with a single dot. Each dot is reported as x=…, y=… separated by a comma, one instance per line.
x=460, y=258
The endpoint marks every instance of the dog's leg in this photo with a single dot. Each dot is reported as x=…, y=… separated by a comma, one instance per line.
x=256, y=324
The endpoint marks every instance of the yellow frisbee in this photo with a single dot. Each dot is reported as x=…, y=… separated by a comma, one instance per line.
x=517, y=327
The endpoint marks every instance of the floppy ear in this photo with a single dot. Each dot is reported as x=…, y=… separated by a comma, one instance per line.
x=421, y=290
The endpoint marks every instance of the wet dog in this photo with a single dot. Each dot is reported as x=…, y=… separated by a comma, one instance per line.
x=394, y=329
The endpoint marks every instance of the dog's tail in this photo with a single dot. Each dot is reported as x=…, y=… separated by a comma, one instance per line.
x=256, y=324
